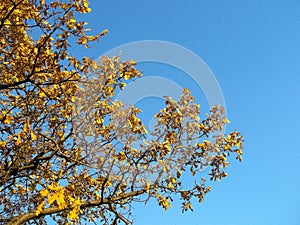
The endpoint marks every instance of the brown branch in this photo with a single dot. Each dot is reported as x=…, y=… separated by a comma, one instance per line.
x=6, y=86
x=18, y=220
x=118, y=215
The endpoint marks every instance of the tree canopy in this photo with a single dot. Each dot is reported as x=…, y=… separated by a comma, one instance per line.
x=68, y=149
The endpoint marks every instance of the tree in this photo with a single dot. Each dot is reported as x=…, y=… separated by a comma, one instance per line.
x=68, y=149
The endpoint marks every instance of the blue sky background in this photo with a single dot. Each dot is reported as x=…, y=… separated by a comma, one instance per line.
x=253, y=48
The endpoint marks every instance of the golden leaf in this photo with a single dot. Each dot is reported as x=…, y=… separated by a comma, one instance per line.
x=44, y=193
x=2, y=144
x=104, y=32
x=18, y=141
x=59, y=198
x=39, y=209
x=33, y=136
x=225, y=120
x=8, y=119
x=42, y=94
x=26, y=126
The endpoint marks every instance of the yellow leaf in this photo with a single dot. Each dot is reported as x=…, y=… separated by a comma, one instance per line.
x=26, y=126
x=164, y=203
x=8, y=119
x=225, y=120
x=33, y=136
x=18, y=141
x=59, y=198
x=164, y=168
x=73, y=215
x=122, y=156
x=104, y=32
x=190, y=206
x=42, y=94
x=77, y=203
x=39, y=209
x=71, y=198
x=126, y=76
x=2, y=144
x=44, y=193
x=85, y=3
x=145, y=130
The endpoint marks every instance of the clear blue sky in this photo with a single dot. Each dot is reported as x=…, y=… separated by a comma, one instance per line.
x=253, y=48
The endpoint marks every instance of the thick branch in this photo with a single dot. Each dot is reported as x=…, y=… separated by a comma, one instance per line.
x=18, y=220
x=6, y=86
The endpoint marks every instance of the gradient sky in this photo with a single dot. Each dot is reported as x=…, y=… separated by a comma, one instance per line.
x=253, y=48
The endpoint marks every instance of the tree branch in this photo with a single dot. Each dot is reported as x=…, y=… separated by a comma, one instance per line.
x=18, y=220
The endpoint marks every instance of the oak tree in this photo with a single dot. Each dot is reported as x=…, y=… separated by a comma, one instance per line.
x=72, y=153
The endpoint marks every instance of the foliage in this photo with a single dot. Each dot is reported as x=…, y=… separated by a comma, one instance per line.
x=68, y=150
